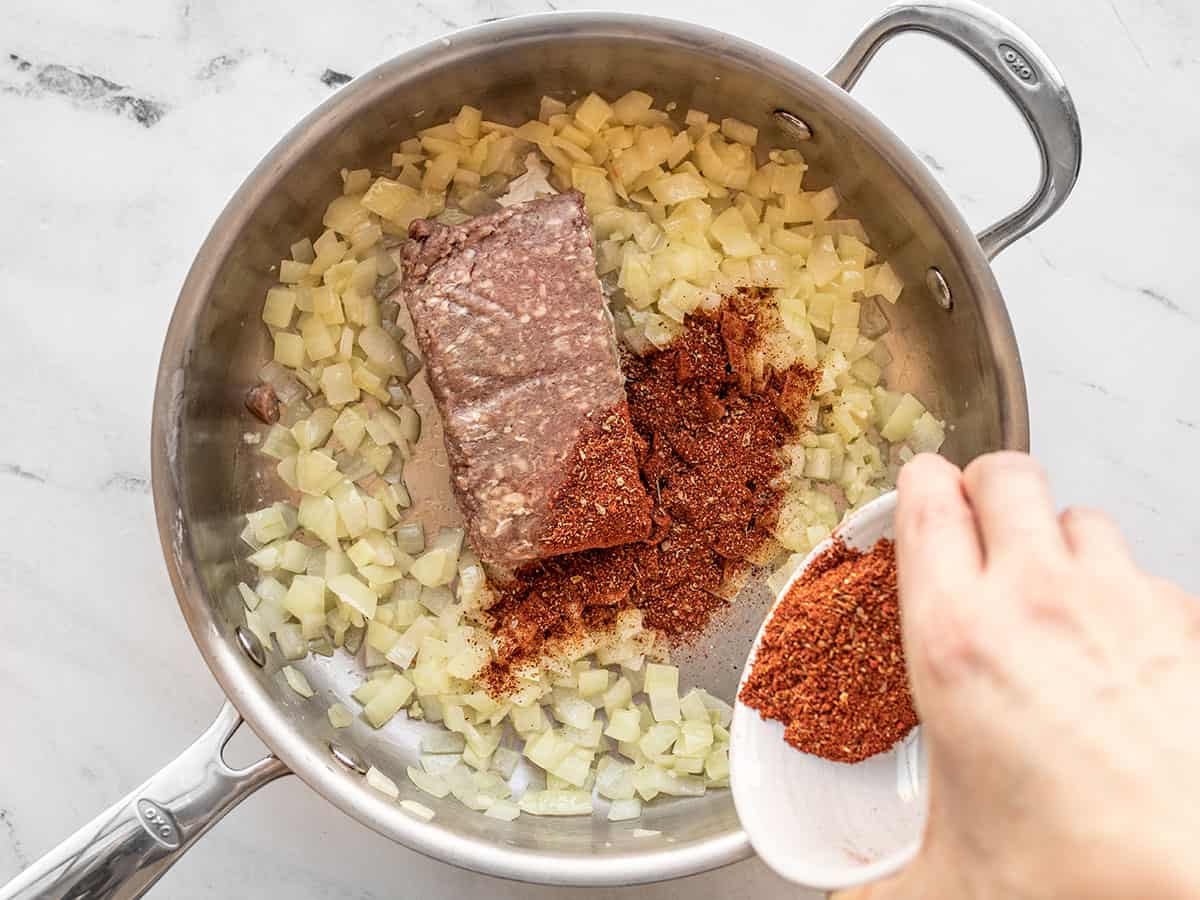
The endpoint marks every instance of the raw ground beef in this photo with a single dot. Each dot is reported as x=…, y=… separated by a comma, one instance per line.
x=522, y=362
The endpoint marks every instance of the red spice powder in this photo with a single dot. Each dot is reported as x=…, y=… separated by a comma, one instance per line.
x=830, y=665
x=602, y=503
x=711, y=421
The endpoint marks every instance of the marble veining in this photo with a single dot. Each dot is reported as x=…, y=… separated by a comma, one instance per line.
x=84, y=88
x=128, y=123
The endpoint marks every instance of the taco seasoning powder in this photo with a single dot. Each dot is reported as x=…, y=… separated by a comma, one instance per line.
x=710, y=425
x=830, y=666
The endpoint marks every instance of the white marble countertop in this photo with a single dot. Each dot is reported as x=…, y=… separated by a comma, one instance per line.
x=129, y=122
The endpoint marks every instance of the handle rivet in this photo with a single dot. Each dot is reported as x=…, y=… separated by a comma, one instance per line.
x=251, y=646
x=793, y=125
x=936, y=282
x=1027, y=73
x=347, y=758
x=1010, y=56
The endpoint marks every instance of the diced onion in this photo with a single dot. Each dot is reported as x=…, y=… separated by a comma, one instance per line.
x=382, y=783
x=297, y=682
x=420, y=810
x=439, y=763
x=442, y=742
x=434, y=785
x=623, y=810
x=410, y=538
x=390, y=699
x=504, y=810
x=557, y=803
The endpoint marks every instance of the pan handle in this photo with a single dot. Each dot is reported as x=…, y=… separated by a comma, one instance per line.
x=1019, y=67
x=124, y=850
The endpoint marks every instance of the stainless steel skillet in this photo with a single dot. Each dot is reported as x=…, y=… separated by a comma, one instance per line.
x=951, y=342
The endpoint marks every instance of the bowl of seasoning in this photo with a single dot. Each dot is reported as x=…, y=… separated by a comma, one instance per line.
x=826, y=762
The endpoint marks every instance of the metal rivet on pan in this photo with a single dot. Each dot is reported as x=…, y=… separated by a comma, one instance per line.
x=347, y=758
x=793, y=125
x=250, y=645
x=936, y=282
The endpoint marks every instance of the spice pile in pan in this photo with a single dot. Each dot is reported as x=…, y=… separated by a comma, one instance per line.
x=710, y=457
x=830, y=666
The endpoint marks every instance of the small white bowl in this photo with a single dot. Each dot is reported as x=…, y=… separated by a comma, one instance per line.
x=818, y=823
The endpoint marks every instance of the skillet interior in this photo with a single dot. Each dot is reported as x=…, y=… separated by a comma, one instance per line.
x=963, y=363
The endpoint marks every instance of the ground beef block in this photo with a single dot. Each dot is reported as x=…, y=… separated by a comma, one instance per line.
x=521, y=358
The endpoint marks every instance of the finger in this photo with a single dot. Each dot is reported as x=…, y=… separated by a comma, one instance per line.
x=937, y=546
x=1091, y=534
x=1011, y=500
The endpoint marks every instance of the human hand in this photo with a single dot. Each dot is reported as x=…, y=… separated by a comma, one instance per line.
x=1059, y=693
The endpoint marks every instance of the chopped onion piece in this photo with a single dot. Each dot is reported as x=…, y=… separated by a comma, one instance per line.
x=339, y=716
x=382, y=783
x=900, y=423
x=645, y=780
x=435, y=599
x=353, y=592
x=410, y=538
x=679, y=785
x=664, y=704
x=716, y=765
x=390, y=699
x=297, y=682
x=420, y=810
x=557, y=803
x=574, y=767
x=491, y=784
x=723, y=711
x=529, y=719
x=505, y=761
x=294, y=556
x=926, y=434
x=292, y=646
x=434, y=785
x=502, y=809
x=661, y=677
x=614, y=779
x=462, y=786
x=695, y=739
x=592, y=682
x=249, y=597
x=319, y=515
x=547, y=750
x=588, y=737
x=574, y=711
x=618, y=696
x=658, y=739
x=624, y=725
x=266, y=559
x=442, y=742
x=439, y=763
x=692, y=707
x=435, y=567
x=622, y=810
